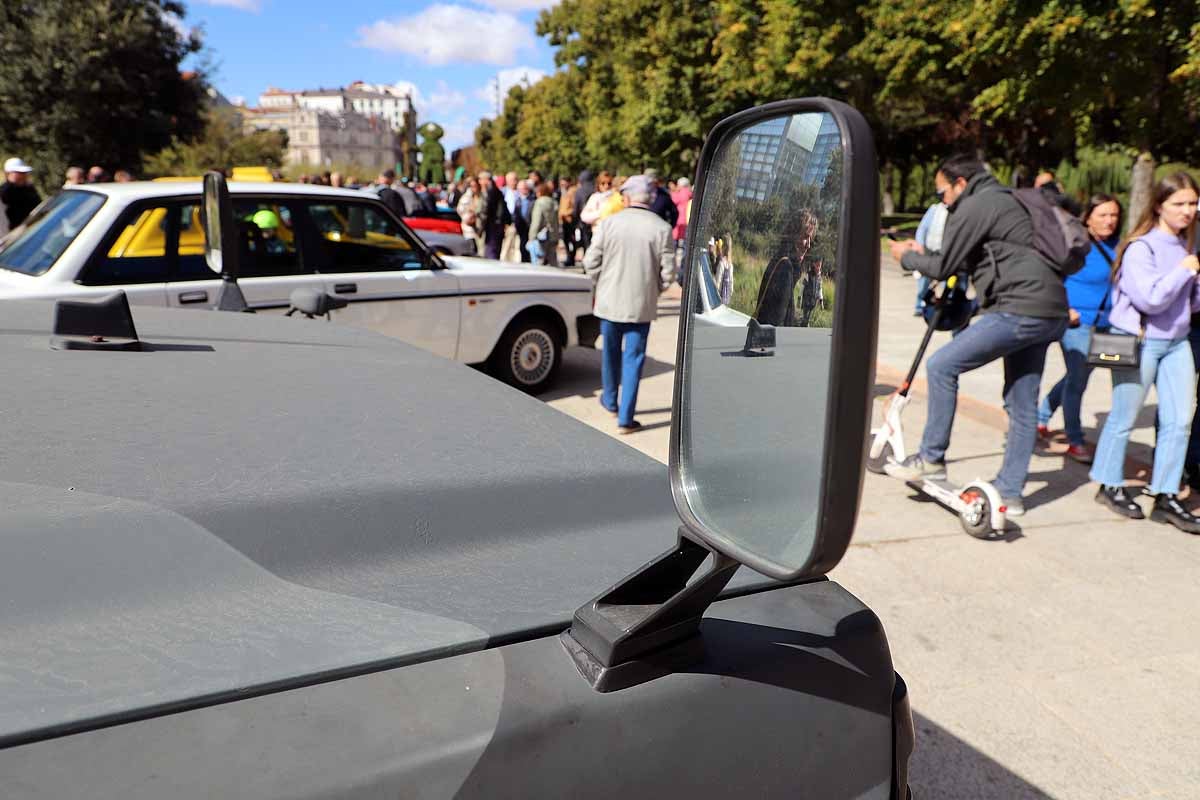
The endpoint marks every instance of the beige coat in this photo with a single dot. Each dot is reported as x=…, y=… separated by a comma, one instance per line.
x=631, y=261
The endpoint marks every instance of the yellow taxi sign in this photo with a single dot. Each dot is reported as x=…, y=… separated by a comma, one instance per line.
x=256, y=174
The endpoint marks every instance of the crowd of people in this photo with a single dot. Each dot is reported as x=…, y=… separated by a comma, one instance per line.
x=528, y=219
x=1145, y=287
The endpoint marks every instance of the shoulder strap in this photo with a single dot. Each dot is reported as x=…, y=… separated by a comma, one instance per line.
x=1103, y=254
x=1117, y=280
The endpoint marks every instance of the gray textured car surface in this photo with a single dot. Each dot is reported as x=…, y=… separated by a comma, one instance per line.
x=280, y=558
x=336, y=460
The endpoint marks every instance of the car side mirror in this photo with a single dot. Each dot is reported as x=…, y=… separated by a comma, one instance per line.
x=775, y=360
x=221, y=241
x=772, y=385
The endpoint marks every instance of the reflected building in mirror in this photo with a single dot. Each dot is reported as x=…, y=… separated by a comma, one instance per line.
x=786, y=151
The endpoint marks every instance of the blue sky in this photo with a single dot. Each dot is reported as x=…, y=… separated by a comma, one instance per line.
x=451, y=51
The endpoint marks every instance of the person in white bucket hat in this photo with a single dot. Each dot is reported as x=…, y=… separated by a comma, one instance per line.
x=17, y=193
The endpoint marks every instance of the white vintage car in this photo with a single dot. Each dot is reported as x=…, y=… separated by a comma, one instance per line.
x=146, y=239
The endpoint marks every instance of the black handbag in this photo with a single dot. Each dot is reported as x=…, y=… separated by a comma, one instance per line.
x=1114, y=350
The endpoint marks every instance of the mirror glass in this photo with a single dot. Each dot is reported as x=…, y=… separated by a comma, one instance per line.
x=212, y=222
x=761, y=303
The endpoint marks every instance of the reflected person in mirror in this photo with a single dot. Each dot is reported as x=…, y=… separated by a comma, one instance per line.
x=776, y=303
x=989, y=238
x=631, y=261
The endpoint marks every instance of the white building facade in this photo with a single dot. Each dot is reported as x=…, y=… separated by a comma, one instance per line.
x=322, y=138
x=342, y=125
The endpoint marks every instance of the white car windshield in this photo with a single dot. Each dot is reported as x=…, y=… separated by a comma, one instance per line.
x=33, y=247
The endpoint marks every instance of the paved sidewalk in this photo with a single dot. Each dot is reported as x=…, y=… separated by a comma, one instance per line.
x=1062, y=661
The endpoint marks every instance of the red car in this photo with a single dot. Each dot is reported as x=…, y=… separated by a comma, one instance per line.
x=445, y=221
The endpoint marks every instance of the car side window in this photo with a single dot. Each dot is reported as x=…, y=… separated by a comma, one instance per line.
x=266, y=239
x=191, y=265
x=357, y=237
x=138, y=254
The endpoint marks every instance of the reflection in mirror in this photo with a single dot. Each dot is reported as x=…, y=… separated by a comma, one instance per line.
x=761, y=303
x=213, y=225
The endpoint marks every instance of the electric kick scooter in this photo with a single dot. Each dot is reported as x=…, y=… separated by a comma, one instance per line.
x=977, y=503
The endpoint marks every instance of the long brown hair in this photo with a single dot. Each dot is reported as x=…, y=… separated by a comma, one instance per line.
x=1167, y=186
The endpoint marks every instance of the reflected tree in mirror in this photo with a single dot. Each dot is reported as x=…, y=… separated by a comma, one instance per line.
x=763, y=279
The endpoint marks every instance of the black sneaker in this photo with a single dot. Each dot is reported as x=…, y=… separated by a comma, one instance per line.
x=1116, y=498
x=1168, y=509
x=1191, y=476
x=914, y=468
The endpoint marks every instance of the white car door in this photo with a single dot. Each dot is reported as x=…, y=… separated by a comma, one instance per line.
x=135, y=257
x=269, y=256
x=372, y=262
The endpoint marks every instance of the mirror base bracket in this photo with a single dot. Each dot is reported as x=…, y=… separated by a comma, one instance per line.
x=648, y=624
x=230, y=297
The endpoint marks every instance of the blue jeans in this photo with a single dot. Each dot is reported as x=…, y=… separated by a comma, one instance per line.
x=1068, y=392
x=1168, y=365
x=1021, y=341
x=624, y=355
x=1193, y=448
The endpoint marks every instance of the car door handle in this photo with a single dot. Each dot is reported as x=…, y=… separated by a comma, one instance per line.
x=345, y=288
x=192, y=297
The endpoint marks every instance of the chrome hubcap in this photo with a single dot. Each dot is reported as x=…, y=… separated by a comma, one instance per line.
x=532, y=356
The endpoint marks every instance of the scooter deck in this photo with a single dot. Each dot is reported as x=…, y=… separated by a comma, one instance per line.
x=943, y=485
x=945, y=492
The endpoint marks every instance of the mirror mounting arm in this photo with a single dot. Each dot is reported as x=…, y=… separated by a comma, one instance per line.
x=647, y=625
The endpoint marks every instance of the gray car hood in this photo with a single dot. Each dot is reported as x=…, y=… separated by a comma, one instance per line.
x=259, y=501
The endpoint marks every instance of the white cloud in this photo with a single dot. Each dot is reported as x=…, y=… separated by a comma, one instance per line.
x=444, y=98
x=517, y=5
x=253, y=6
x=460, y=132
x=508, y=78
x=447, y=34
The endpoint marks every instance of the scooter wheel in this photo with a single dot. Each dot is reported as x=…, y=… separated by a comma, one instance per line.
x=876, y=464
x=976, y=518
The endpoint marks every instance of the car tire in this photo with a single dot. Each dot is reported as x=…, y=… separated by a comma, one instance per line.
x=529, y=354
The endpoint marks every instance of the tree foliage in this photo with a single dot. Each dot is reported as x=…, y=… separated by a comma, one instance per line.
x=221, y=145
x=94, y=81
x=1025, y=82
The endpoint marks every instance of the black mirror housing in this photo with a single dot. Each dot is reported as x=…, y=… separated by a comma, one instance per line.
x=847, y=402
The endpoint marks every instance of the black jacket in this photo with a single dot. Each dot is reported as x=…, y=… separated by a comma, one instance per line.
x=412, y=204
x=664, y=206
x=989, y=236
x=392, y=200
x=18, y=201
x=586, y=187
x=494, y=215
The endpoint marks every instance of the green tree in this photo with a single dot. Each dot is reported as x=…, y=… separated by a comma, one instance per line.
x=643, y=72
x=497, y=138
x=221, y=145
x=94, y=82
x=549, y=126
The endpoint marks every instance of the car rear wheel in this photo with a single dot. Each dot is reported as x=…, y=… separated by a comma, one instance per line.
x=528, y=355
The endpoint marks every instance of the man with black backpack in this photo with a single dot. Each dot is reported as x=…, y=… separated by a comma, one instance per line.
x=1017, y=250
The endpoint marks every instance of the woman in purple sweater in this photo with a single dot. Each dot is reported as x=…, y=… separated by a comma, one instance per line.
x=1155, y=291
